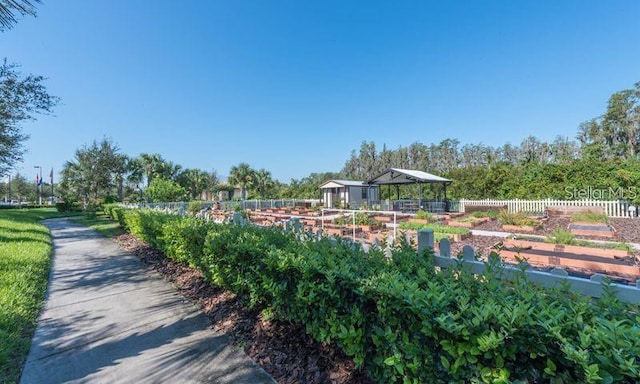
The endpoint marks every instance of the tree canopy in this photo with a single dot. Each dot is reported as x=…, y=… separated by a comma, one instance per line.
x=11, y=9
x=21, y=98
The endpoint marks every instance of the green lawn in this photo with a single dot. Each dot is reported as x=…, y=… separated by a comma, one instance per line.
x=25, y=253
x=101, y=224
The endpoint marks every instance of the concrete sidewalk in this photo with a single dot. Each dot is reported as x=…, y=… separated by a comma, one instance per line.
x=108, y=319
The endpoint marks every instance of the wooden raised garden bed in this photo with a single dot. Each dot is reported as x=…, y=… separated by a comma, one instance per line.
x=521, y=228
x=562, y=211
x=596, y=260
x=470, y=223
x=592, y=229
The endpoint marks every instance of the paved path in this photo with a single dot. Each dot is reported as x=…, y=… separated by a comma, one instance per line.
x=108, y=319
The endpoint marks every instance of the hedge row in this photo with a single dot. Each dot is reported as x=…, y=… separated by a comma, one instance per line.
x=401, y=319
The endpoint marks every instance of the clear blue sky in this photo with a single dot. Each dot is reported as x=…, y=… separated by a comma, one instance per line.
x=293, y=86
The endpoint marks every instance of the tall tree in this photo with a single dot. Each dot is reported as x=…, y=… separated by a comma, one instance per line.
x=195, y=181
x=242, y=175
x=21, y=97
x=263, y=182
x=10, y=9
x=153, y=165
x=94, y=172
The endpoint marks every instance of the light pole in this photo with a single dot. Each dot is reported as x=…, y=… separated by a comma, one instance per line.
x=38, y=184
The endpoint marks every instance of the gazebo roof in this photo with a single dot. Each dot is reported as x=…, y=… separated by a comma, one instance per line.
x=395, y=176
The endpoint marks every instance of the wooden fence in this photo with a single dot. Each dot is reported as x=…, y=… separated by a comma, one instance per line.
x=612, y=208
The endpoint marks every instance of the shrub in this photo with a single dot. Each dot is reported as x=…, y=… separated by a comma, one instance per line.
x=517, y=218
x=401, y=319
x=194, y=206
x=423, y=215
x=562, y=237
x=493, y=214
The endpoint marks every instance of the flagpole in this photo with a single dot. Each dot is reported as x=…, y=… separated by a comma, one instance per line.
x=39, y=185
x=51, y=177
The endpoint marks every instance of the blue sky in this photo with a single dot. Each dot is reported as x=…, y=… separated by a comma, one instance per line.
x=293, y=86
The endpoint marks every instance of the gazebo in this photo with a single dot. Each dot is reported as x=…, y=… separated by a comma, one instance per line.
x=398, y=177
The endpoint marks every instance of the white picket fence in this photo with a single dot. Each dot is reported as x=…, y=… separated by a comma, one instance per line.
x=612, y=208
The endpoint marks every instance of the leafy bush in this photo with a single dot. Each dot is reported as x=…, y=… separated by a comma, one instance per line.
x=562, y=237
x=194, y=206
x=67, y=206
x=423, y=215
x=590, y=217
x=401, y=319
x=361, y=218
x=493, y=214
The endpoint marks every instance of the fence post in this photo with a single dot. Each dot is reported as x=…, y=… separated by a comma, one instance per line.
x=425, y=239
x=445, y=247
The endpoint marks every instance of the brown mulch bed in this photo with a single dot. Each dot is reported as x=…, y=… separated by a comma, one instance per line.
x=282, y=349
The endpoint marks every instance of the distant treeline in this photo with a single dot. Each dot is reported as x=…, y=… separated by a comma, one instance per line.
x=603, y=163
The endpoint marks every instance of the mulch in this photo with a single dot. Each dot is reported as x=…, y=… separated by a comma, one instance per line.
x=282, y=349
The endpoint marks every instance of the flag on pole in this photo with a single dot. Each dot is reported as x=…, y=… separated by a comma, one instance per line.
x=51, y=175
x=37, y=180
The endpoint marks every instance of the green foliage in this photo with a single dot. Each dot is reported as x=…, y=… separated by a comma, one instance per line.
x=481, y=214
x=437, y=228
x=25, y=254
x=590, y=217
x=22, y=98
x=561, y=236
x=516, y=218
x=164, y=190
x=67, y=206
x=423, y=215
x=401, y=319
x=194, y=206
x=361, y=218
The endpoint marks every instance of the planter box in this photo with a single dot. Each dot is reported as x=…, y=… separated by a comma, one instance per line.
x=458, y=237
x=419, y=221
x=468, y=224
x=520, y=228
x=593, y=266
x=366, y=228
x=310, y=222
x=601, y=232
x=568, y=211
x=333, y=231
x=526, y=244
x=381, y=236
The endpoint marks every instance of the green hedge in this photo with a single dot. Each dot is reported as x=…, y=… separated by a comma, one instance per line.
x=402, y=320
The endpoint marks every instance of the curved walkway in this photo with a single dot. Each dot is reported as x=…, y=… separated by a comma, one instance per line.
x=108, y=319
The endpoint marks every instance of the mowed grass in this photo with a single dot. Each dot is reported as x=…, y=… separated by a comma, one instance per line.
x=101, y=223
x=25, y=255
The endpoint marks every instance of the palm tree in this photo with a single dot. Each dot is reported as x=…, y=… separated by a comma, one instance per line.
x=263, y=182
x=9, y=9
x=243, y=176
x=195, y=181
x=153, y=165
